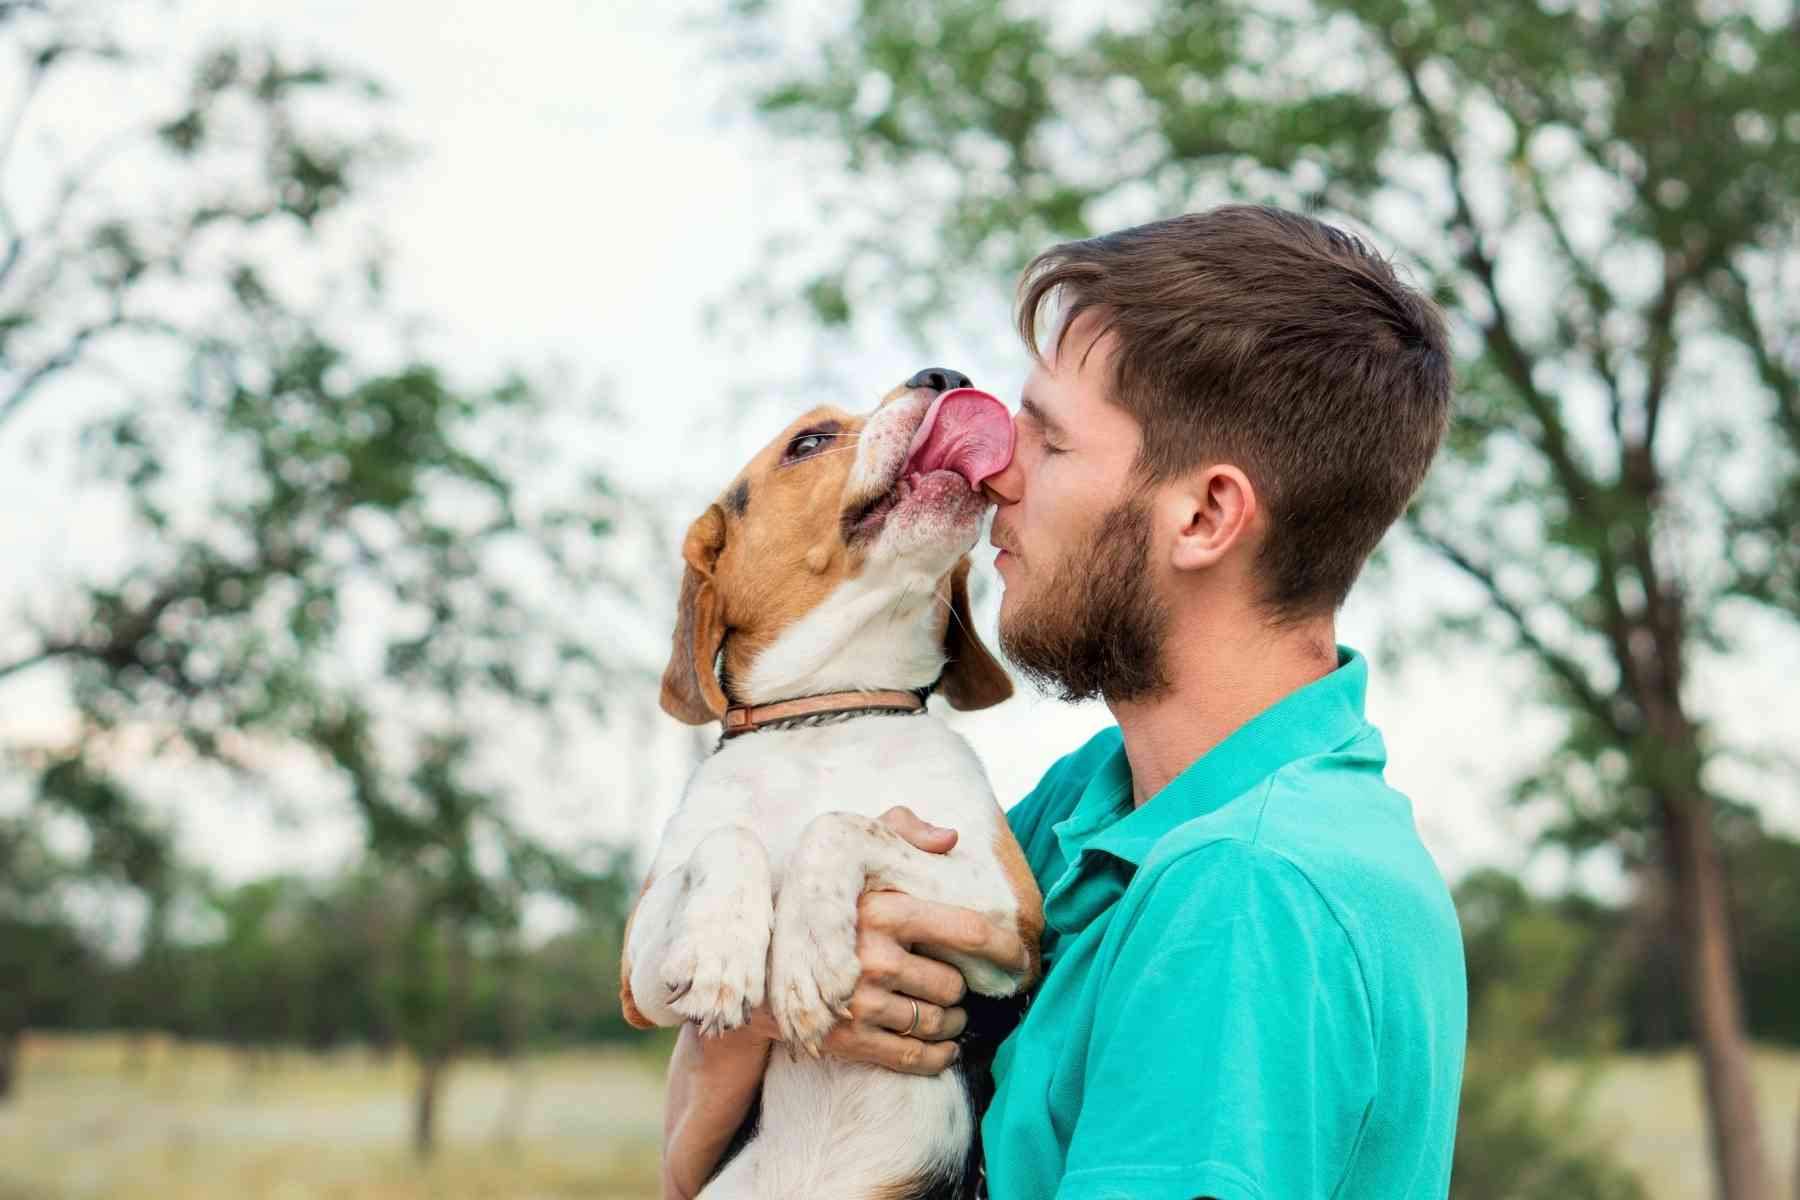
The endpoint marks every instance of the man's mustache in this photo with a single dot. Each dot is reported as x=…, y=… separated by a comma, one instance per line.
x=1001, y=538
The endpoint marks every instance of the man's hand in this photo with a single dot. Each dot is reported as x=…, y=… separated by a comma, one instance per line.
x=890, y=925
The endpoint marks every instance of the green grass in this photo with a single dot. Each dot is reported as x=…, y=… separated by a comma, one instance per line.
x=1648, y=1110
x=196, y=1123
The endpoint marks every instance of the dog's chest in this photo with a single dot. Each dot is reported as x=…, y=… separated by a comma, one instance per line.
x=777, y=781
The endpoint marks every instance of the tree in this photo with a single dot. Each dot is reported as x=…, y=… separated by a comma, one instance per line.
x=339, y=571
x=45, y=967
x=1602, y=195
x=463, y=870
x=1533, y=990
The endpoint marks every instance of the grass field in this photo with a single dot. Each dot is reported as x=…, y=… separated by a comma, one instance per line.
x=196, y=1123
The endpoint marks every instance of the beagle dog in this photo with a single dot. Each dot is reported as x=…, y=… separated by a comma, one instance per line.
x=825, y=595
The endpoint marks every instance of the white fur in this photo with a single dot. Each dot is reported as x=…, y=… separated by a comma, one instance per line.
x=868, y=633
x=811, y=796
x=885, y=439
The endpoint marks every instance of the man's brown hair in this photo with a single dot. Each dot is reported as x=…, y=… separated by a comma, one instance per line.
x=1275, y=342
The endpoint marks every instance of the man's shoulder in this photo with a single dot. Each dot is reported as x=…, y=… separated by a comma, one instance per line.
x=1332, y=827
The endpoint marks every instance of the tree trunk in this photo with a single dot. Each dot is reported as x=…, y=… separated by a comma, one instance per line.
x=434, y=1063
x=1710, y=975
x=9, y=1061
x=425, y=1108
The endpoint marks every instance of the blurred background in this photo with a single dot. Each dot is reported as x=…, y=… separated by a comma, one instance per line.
x=361, y=364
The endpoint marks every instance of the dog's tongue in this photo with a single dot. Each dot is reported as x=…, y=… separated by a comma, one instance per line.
x=965, y=431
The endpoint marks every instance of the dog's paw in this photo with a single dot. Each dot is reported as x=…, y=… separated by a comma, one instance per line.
x=813, y=966
x=713, y=974
x=983, y=977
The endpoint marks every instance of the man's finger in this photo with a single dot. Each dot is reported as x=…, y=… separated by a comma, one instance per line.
x=933, y=839
x=859, y=1043
x=929, y=980
x=909, y=1016
x=915, y=922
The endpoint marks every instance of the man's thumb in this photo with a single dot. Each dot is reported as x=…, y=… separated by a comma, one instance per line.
x=905, y=822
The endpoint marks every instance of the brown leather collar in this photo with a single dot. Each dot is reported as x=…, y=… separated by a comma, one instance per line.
x=746, y=718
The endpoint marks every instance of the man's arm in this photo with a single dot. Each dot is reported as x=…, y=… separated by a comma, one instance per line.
x=713, y=1081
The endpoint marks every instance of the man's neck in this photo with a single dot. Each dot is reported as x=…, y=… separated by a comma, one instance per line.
x=1221, y=674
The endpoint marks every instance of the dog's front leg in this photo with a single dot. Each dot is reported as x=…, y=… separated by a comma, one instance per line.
x=700, y=935
x=813, y=964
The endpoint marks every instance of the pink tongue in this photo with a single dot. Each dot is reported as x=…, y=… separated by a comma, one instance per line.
x=965, y=431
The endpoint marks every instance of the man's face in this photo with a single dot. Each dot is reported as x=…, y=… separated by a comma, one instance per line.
x=1082, y=611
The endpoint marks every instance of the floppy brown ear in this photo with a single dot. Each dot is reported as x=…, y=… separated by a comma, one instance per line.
x=973, y=678
x=690, y=683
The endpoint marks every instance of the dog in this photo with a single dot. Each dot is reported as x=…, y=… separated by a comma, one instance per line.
x=825, y=595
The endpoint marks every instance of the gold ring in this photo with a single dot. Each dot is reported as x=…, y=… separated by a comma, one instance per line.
x=915, y=1020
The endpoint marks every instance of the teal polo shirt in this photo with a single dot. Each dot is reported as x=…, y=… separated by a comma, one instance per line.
x=1254, y=983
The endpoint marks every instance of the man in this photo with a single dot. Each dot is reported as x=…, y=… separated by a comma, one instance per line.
x=1254, y=984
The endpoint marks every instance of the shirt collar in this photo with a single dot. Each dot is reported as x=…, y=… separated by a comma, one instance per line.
x=1317, y=718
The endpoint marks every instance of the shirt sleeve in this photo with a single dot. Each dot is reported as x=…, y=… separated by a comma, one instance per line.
x=1232, y=1054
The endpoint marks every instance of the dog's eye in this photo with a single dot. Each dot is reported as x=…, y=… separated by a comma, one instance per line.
x=805, y=444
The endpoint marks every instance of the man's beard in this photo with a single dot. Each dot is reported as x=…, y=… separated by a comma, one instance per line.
x=1095, y=627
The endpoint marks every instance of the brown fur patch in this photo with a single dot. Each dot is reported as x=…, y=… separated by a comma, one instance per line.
x=634, y=1016
x=780, y=562
x=690, y=683
x=1025, y=889
x=918, y=1187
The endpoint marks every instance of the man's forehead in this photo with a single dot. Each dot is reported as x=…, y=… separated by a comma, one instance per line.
x=1080, y=346
x=1058, y=394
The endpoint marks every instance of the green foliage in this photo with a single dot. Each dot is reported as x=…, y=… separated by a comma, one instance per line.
x=1510, y=1145
x=1544, y=976
x=1545, y=979
x=352, y=960
x=344, y=571
x=47, y=970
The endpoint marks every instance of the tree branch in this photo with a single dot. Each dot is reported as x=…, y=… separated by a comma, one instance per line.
x=71, y=352
x=1514, y=360
x=33, y=85
x=1516, y=364
x=1739, y=312
x=1594, y=290
x=1569, y=672
x=32, y=660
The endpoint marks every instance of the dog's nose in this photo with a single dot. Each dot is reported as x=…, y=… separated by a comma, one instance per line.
x=939, y=379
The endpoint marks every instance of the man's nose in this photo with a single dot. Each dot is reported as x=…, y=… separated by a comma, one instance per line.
x=1006, y=485
x=938, y=379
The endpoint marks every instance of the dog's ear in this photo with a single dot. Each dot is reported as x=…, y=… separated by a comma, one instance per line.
x=973, y=678
x=690, y=683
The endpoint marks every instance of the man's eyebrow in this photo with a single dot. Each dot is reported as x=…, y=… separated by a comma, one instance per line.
x=1035, y=411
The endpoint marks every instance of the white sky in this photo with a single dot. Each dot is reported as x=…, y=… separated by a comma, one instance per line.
x=582, y=194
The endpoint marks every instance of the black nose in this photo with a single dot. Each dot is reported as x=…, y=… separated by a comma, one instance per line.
x=939, y=379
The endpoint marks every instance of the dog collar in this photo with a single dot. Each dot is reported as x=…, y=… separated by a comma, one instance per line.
x=747, y=718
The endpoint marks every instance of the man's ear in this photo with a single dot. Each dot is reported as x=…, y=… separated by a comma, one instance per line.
x=973, y=678
x=690, y=683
